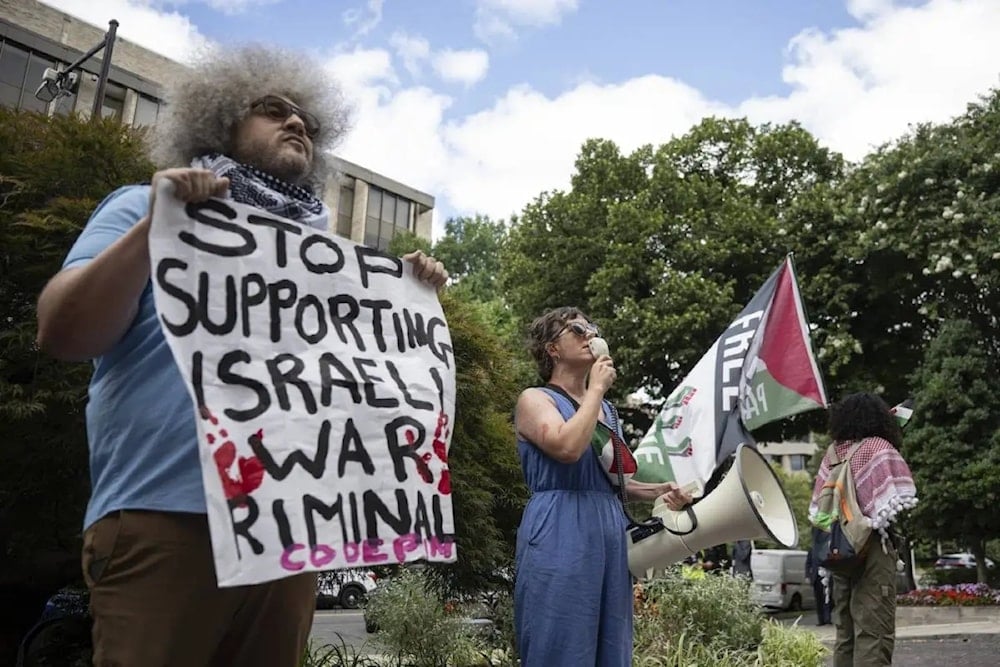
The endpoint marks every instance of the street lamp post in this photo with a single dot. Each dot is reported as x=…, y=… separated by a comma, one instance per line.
x=102, y=79
x=60, y=82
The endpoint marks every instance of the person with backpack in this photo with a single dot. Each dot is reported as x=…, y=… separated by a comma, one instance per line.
x=862, y=486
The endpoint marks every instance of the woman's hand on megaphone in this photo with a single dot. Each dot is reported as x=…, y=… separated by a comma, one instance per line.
x=603, y=374
x=674, y=497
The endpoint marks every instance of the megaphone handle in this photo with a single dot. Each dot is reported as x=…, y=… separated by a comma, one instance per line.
x=689, y=509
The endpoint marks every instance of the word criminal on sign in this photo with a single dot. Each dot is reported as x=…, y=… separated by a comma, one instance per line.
x=323, y=382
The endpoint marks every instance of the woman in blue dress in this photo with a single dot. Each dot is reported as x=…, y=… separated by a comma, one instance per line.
x=573, y=591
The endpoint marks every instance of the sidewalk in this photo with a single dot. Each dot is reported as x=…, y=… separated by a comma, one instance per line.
x=827, y=633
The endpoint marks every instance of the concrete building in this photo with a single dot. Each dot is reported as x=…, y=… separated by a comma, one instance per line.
x=793, y=456
x=366, y=207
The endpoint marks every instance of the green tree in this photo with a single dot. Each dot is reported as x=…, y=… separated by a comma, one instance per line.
x=953, y=441
x=664, y=246
x=470, y=250
x=906, y=240
x=53, y=173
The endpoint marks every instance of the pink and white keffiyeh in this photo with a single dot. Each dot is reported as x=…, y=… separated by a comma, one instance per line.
x=882, y=478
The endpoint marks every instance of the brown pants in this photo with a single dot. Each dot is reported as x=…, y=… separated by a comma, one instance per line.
x=155, y=601
x=865, y=610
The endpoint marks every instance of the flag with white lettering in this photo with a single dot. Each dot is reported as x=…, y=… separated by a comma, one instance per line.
x=761, y=369
x=903, y=412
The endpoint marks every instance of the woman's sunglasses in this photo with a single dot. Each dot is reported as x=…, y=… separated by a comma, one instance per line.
x=280, y=109
x=579, y=329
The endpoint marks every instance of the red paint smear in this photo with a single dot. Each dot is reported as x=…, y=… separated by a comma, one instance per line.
x=441, y=450
x=211, y=439
x=424, y=472
x=251, y=473
x=426, y=457
x=442, y=422
x=444, y=486
x=411, y=437
x=225, y=455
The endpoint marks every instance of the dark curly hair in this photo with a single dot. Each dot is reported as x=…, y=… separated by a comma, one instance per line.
x=864, y=415
x=544, y=330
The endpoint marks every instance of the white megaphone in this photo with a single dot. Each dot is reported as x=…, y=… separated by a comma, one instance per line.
x=748, y=503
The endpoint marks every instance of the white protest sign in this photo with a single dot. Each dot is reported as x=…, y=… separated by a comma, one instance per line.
x=323, y=381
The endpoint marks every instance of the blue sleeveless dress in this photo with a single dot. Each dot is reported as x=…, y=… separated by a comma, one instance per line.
x=572, y=591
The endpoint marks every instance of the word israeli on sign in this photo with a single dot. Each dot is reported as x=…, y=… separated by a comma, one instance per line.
x=323, y=381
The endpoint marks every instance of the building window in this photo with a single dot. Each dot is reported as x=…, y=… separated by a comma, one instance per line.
x=114, y=101
x=345, y=211
x=387, y=214
x=403, y=216
x=36, y=69
x=146, y=111
x=797, y=462
x=21, y=73
x=13, y=65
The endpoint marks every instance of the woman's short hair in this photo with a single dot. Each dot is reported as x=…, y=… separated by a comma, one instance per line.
x=864, y=415
x=204, y=105
x=544, y=330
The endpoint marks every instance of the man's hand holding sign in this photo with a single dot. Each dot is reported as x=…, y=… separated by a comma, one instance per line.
x=323, y=377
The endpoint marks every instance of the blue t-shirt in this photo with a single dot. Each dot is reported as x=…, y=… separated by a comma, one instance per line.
x=140, y=417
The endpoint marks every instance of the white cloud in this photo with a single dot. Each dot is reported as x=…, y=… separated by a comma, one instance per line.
x=165, y=32
x=497, y=160
x=412, y=50
x=497, y=19
x=527, y=143
x=466, y=67
x=229, y=7
x=363, y=20
x=530, y=12
x=866, y=9
x=904, y=62
x=852, y=88
x=364, y=71
x=857, y=88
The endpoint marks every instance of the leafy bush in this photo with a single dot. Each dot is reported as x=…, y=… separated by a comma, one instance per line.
x=340, y=655
x=415, y=622
x=712, y=621
x=962, y=595
x=53, y=172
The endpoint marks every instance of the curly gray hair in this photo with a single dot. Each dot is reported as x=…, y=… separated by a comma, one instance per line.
x=205, y=104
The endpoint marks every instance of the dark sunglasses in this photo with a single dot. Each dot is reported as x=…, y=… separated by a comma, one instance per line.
x=580, y=330
x=277, y=108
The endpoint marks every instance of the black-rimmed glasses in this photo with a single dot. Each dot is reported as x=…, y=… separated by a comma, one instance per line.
x=277, y=108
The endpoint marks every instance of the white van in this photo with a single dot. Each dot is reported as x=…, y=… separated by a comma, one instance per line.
x=779, y=580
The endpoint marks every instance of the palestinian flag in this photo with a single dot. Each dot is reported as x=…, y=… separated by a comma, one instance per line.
x=780, y=376
x=903, y=412
x=604, y=442
x=760, y=369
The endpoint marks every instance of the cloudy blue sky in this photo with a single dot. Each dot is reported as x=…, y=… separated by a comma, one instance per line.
x=485, y=103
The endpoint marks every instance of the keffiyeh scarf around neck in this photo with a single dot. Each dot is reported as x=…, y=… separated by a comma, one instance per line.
x=251, y=186
x=883, y=480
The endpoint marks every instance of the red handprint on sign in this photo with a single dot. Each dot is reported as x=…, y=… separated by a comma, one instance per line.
x=241, y=475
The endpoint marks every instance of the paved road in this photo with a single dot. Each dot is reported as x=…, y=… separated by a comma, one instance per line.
x=981, y=650
x=330, y=627
x=964, y=650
